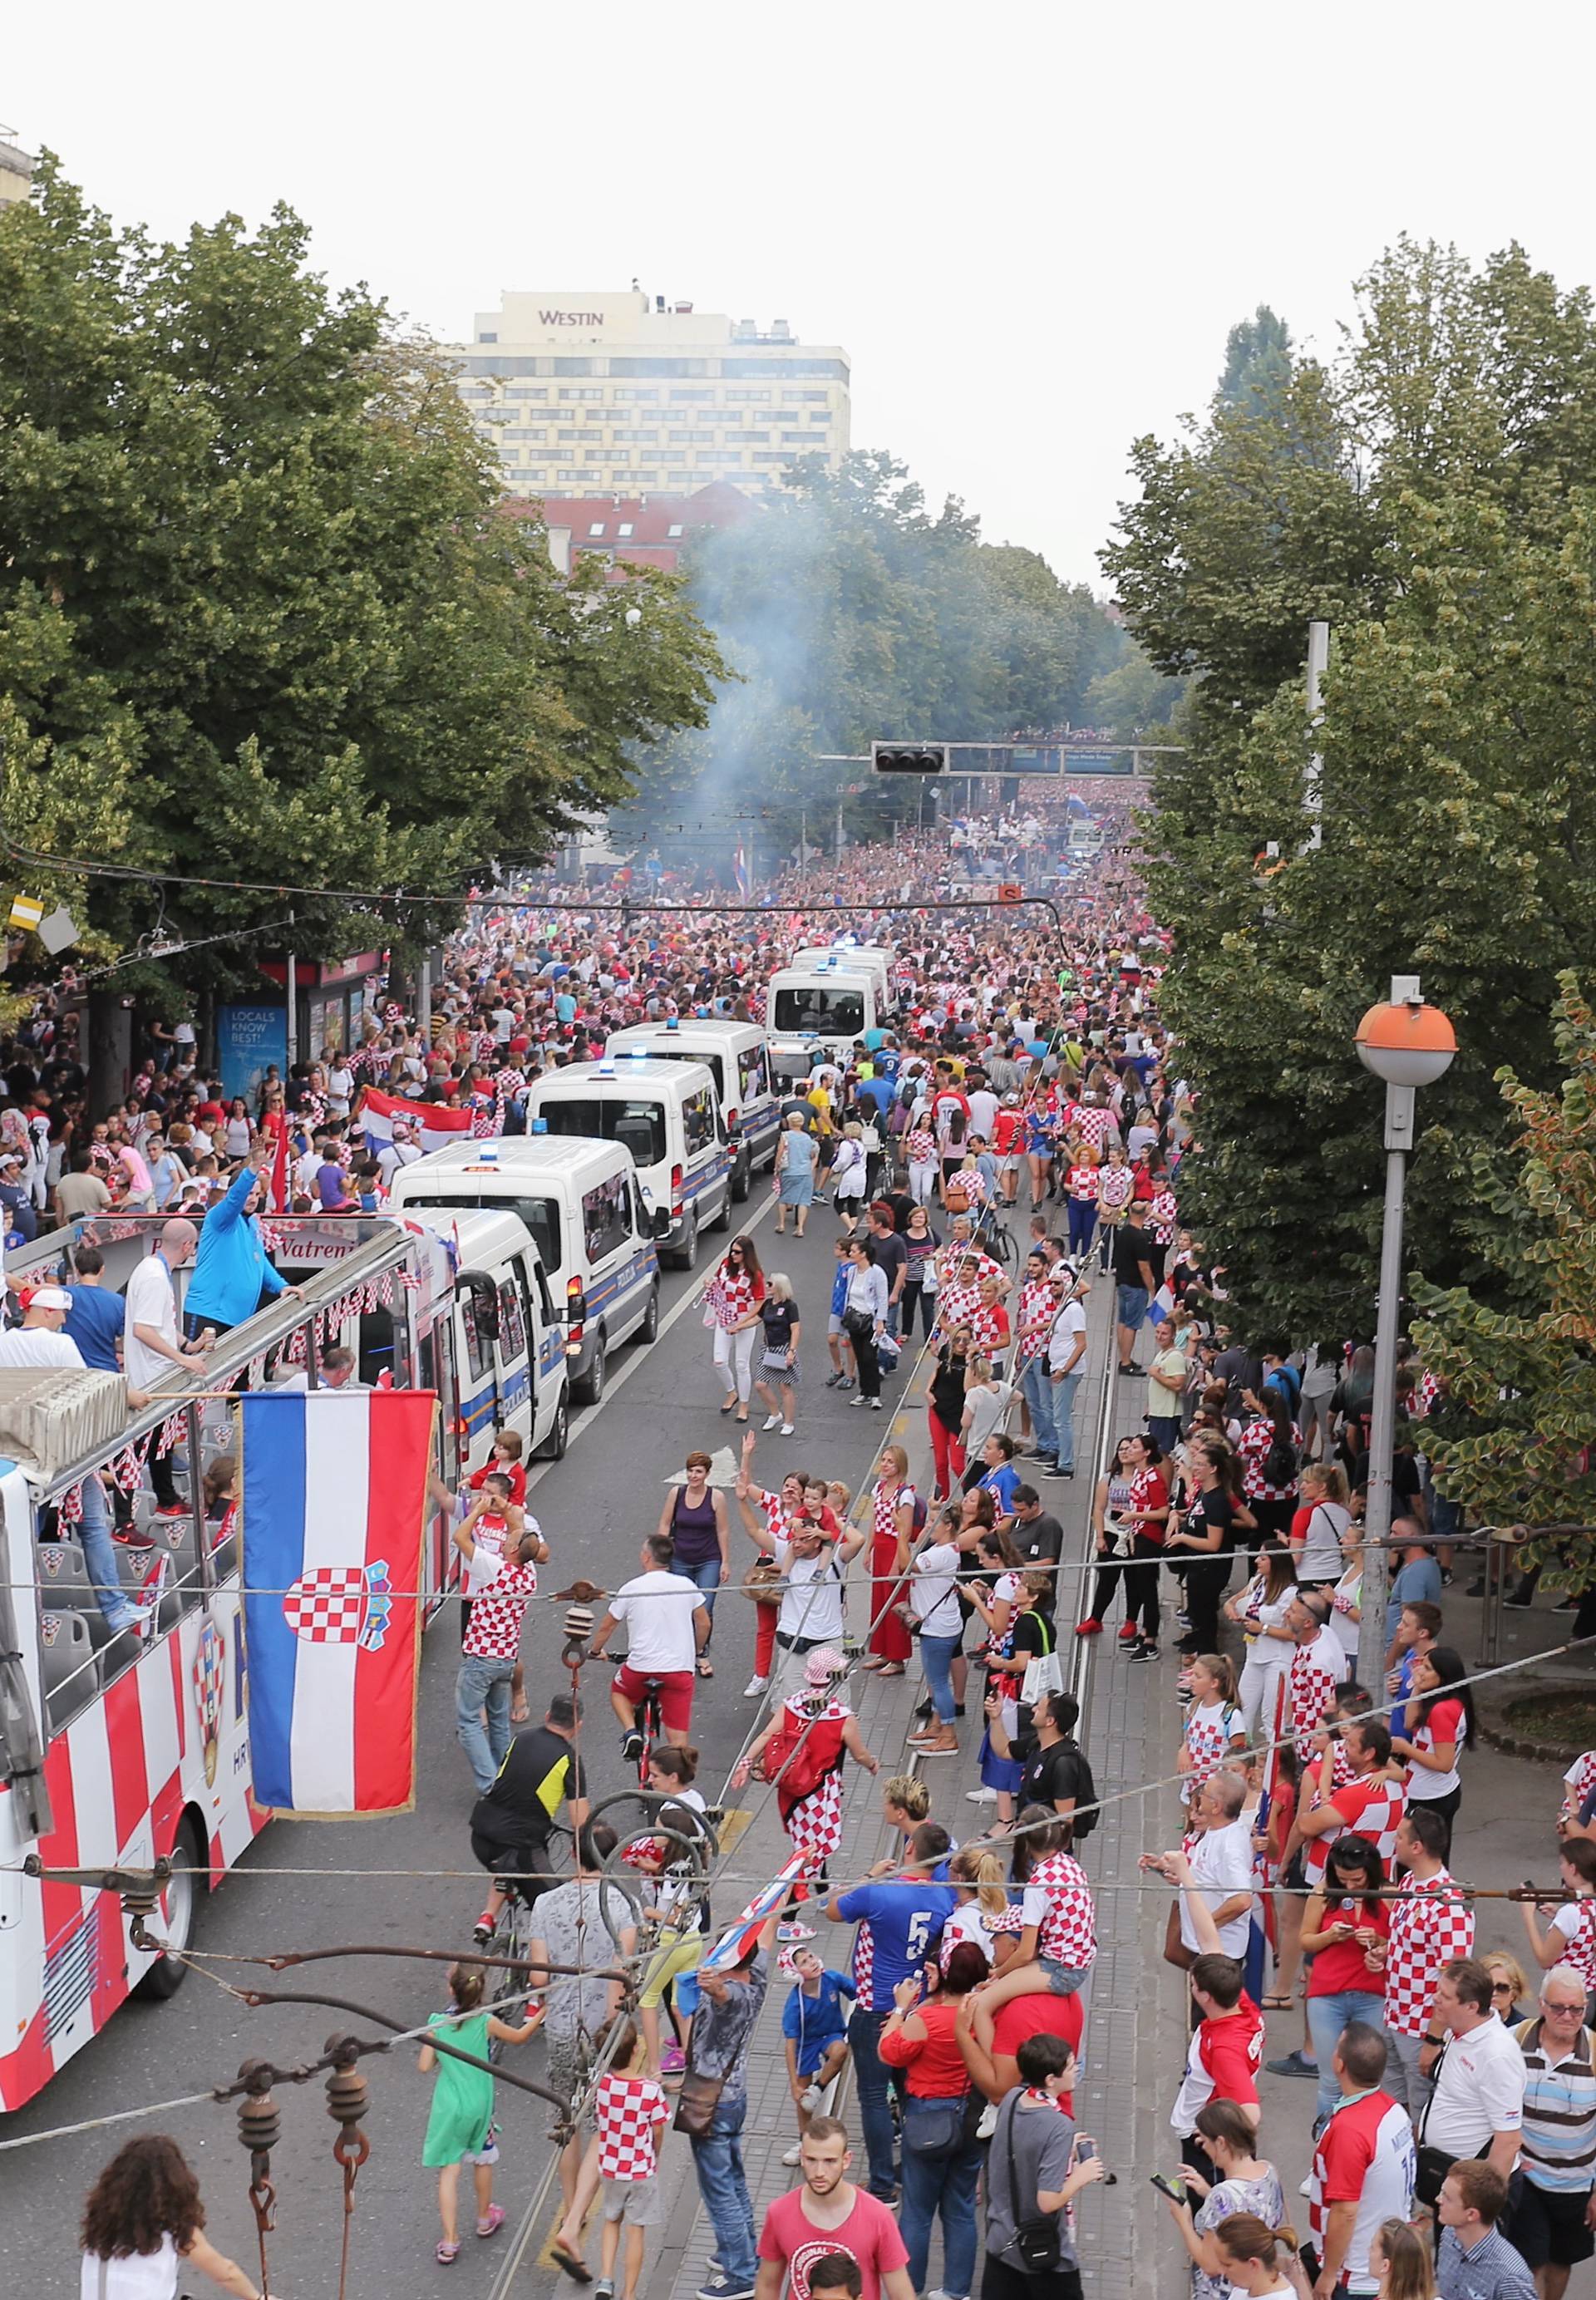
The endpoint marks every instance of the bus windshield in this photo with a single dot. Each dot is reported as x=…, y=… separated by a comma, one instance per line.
x=636, y=1124
x=821, y=1009
x=540, y=1215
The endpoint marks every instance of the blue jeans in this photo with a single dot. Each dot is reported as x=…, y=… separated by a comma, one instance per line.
x=99, y=1555
x=1037, y=1393
x=942, y=2182
x=1327, y=2016
x=717, y=2160
x=705, y=1576
x=1064, y=1416
x=1083, y=1221
x=1166, y=1430
x=872, y=2081
x=483, y=1685
x=936, y=1656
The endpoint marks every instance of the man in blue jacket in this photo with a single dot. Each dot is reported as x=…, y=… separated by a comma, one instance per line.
x=232, y=1276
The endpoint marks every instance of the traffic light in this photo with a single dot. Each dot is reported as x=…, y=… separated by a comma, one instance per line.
x=909, y=758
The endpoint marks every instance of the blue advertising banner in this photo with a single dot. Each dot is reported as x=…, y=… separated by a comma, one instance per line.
x=248, y=1039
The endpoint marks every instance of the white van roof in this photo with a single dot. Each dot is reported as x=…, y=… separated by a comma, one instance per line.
x=717, y=1031
x=519, y=1158
x=484, y=1236
x=623, y=1072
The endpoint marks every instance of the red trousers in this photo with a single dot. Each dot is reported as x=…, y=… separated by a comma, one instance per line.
x=764, y=1638
x=948, y=1449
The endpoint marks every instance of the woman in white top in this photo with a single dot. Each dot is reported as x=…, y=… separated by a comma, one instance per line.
x=1320, y=1520
x=848, y=1175
x=143, y=2223
x=1346, y=1598
x=1260, y=1613
x=864, y=1319
x=986, y=1406
x=933, y=1600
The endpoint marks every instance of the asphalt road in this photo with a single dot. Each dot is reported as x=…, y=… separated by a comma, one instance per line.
x=320, y=1885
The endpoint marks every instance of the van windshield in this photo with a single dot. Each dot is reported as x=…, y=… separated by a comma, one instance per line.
x=821, y=1009
x=540, y=1215
x=711, y=1062
x=638, y=1125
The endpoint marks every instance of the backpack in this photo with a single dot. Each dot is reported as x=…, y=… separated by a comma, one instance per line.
x=1086, y=1793
x=818, y=1744
x=1280, y=1463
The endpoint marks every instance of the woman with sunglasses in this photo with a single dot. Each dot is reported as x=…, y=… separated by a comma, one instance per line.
x=733, y=1297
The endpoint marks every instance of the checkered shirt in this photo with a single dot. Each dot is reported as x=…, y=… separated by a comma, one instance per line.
x=1580, y=1946
x=1207, y=1743
x=989, y=1329
x=920, y=1146
x=1429, y=1927
x=496, y=1614
x=1036, y=1311
x=1580, y=1779
x=1375, y=1810
x=863, y=1966
x=1081, y=1183
x=1095, y=1126
x=1256, y=1440
x=1315, y=1672
x=1067, y=1931
x=884, y=1509
x=1165, y=1216
x=956, y=1306
x=626, y=2109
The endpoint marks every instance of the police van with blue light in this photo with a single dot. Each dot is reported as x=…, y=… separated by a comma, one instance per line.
x=667, y=1114
x=827, y=1002
x=582, y=1203
x=738, y=1059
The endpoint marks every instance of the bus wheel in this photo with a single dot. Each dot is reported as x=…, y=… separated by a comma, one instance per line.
x=176, y=1921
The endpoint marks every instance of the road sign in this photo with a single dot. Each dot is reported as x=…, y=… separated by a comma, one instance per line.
x=1008, y=892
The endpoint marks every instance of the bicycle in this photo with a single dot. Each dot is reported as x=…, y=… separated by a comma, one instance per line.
x=648, y=1719
x=993, y=1237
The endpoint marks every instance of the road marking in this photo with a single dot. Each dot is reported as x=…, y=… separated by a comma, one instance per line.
x=639, y=1358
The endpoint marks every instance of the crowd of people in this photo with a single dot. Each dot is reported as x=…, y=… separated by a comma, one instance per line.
x=1010, y=1143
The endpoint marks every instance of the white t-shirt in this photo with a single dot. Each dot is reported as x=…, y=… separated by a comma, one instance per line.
x=657, y=1609
x=1479, y=2090
x=1069, y=1321
x=1222, y=1862
x=141, y=2276
x=933, y=1590
x=36, y=1345
x=150, y=1300
x=812, y=1603
x=987, y=1406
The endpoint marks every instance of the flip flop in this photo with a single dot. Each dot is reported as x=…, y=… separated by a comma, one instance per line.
x=706, y=1668
x=1275, y=2003
x=577, y=2270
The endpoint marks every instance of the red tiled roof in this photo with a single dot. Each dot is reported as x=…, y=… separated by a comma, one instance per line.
x=650, y=517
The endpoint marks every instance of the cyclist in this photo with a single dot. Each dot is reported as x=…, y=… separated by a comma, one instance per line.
x=510, y=1822
x=667, y=1629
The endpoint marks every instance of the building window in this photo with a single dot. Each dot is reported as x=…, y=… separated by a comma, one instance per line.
x=802, y=395
x=526, y=391
x=634, y=391
x=622, y=433
x=518, y=431
x=591, y=432
x=748, y=438
x=488, y=339
x=691, y=395
x=573, y=479
x=581, y=391
x=658, y=367
x=625, y=528
x=574, y=367
x=673, y=530
x=749, y=370
x=771, y=455
x=677, y=438
x=597, y=527
x=747, y=395
x=608, y=456
x=644, y=479
x=716, y=456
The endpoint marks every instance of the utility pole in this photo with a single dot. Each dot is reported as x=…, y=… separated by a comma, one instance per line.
x=423, y=998
x=1318, y=662
x=292, y=1034
x=840, y=831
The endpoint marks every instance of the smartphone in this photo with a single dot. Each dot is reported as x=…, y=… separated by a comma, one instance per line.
x=1085, y=2146
x=1175, y=2190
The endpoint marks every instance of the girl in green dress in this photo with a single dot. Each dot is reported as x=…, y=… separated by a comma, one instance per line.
x=460, y=2128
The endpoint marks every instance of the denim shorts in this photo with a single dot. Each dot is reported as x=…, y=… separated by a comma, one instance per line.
x=1132, y=1305
x=1063, y=1979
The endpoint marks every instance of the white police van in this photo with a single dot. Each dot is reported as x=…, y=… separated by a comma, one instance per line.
x=738, y=1059
x=668, y=1115
x=509, y=1358
x=583, y=1205
x=826, y=1006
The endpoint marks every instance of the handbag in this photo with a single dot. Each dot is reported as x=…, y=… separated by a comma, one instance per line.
x=1044, y=1674
x=1035, y=2238
x=696, y=2104
x=937, y=2126
x=858, y=1325
x=763, y=1580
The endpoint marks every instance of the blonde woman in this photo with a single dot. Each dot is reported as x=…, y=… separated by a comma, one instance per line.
x=891, y=1539
x=779, y=1358
x=984, y=1908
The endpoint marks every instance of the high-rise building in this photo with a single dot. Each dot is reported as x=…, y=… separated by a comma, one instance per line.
x=590, y=391
x=16, y=174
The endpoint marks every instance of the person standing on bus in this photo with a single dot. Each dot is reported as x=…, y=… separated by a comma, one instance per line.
x=233, y=1275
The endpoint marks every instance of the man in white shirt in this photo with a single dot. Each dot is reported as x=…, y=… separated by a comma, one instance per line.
x=667, y=1629
x=1476, y=2108
x=1219, y=1867
x=404, y=1150
x=1066, y=1362
x=151, y=1351
x=38, y=1340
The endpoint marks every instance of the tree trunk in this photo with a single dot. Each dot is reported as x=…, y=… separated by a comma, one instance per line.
x=110, y=1057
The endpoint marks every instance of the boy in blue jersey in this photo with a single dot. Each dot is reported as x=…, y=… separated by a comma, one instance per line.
x=814, y=2025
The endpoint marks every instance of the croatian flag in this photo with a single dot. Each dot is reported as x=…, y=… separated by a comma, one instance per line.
x=434, y=1126
x=334, y=1497
x=1160, y=1307
x=739, y=872
x=738, y=1939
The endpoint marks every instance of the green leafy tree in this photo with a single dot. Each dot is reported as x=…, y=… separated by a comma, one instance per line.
x=1515, y=1439
x=1258, y=363
x=1434, y=500
x=260, y=615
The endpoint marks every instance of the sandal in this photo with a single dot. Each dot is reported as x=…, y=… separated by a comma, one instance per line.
x=890, y=1668
x=1275, y=2003
x=492, y=2221
x=706, y=1668
x=577, y=2270
x=446, y=2253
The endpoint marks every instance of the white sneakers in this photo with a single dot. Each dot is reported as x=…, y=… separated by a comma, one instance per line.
x=772, y=1421
x=754, y=1686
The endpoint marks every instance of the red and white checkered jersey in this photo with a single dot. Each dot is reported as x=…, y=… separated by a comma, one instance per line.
x=1081, y=1183
x=920, y=1148
x=1058, y=1903
x=1094, y=1125
x=989, y=1329
x=1371, y=1808
x=1317, y=1669
x=1575, y=1920
x=1036, y=1317
x=1207, y=1741
x=497, y=1613
x=1430, y=1926
x=626, y=2109
x=1257, y=1438
x=956, y=1306
x=1580, y=1779
x=884, y=1510
x=1163, y=1215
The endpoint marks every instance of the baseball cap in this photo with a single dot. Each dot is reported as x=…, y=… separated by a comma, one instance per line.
x=49, y=1298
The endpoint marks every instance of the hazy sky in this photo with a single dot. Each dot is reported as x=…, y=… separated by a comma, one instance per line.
x=1030, y=226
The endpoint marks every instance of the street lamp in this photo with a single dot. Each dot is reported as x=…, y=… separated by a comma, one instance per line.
x=1408, y=1044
